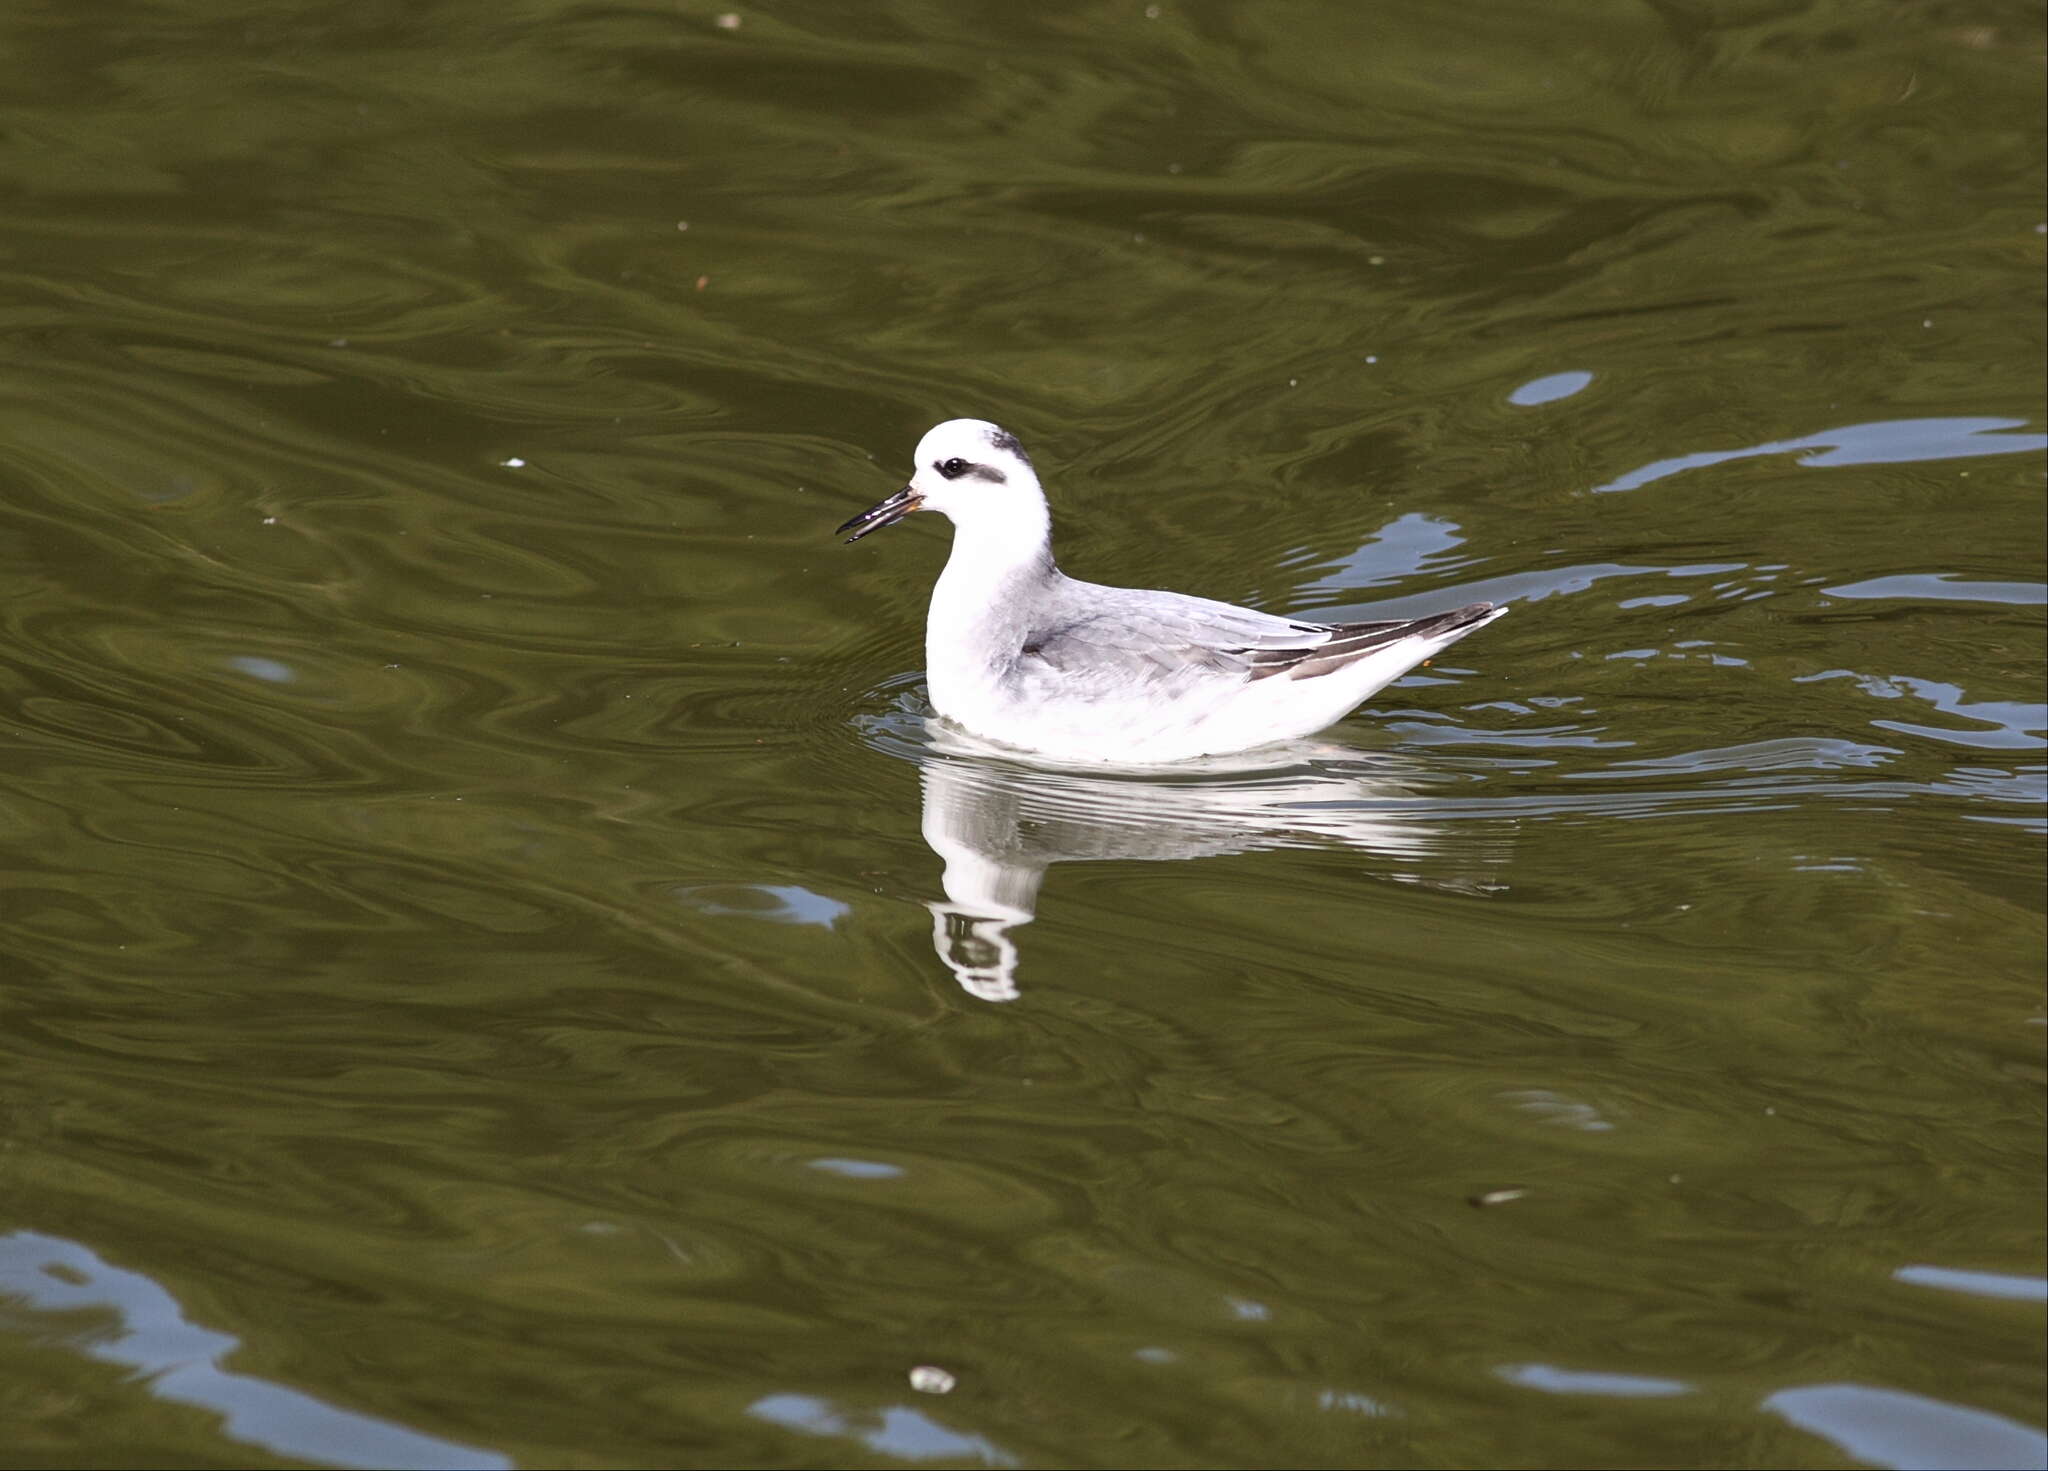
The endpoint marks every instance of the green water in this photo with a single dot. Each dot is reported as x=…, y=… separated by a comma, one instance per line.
x=499, y=972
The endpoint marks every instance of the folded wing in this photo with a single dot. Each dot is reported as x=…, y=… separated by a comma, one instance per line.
x=1165, y=638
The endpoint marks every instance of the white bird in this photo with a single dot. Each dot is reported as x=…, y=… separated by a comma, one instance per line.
x=1019, y=653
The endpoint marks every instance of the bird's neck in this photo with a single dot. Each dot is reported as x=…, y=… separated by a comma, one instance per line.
x=982, y=605
x=997, y=548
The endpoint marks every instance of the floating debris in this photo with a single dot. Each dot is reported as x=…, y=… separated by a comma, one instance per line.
x=1495, y=1197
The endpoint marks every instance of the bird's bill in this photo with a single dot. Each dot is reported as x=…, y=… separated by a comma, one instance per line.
x=887, y=513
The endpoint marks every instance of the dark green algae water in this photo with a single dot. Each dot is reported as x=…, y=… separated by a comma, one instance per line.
x=498, y=971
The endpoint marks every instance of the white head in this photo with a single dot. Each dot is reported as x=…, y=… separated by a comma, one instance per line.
x=966, y=466
x=972, y=471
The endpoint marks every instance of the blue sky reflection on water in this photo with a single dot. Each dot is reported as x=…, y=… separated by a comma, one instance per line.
x=1884, y=442
x=176, y=1359
x=501, y=972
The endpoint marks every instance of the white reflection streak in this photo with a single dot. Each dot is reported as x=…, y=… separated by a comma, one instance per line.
x=998, y=826
x=1555, y=1380
x=180, y=1361
x=2008, y=1285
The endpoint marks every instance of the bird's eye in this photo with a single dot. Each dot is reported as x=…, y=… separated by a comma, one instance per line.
x=952, y=469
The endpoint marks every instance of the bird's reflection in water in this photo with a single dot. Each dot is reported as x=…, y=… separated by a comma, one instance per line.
x=998, y=824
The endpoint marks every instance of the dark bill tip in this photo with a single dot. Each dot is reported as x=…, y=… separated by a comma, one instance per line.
x=886, y=513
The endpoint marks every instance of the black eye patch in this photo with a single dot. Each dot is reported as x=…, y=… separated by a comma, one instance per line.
x=954, y=468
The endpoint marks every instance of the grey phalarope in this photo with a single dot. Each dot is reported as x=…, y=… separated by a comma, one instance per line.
x=1021, y=654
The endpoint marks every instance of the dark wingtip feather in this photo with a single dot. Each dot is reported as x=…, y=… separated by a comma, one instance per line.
x=1350, y=642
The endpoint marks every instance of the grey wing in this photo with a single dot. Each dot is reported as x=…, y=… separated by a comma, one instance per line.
x=1156, y=637
x=1125, y=637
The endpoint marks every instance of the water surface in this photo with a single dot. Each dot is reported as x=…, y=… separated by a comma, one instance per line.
x=502, y=973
